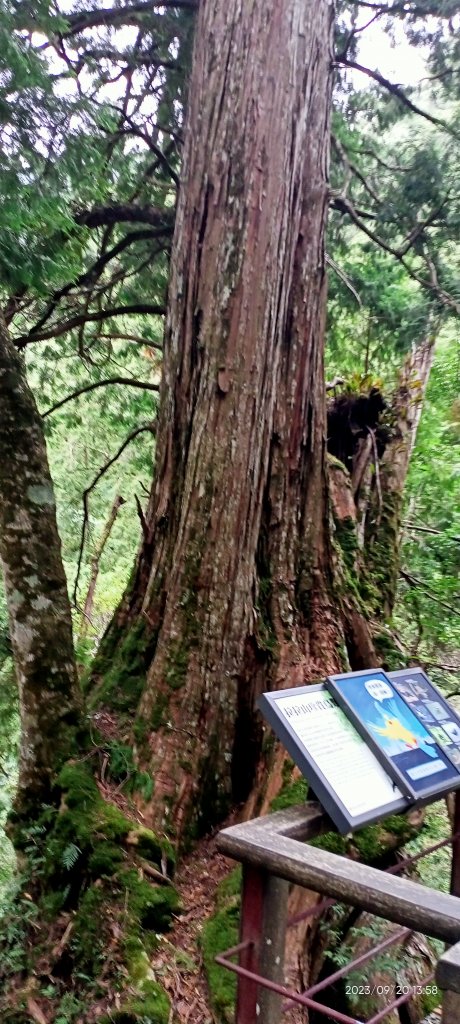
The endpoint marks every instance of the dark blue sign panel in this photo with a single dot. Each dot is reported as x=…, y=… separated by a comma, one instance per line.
x=431, y=708
x=410, y=753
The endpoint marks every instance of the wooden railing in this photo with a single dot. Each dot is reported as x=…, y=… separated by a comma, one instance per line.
x=274, y=852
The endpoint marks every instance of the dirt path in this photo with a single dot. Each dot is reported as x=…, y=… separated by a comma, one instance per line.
x=178, y=964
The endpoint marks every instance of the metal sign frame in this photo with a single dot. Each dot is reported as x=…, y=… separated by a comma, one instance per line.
x=436, y=724
x=418, y=795
x=320, y=784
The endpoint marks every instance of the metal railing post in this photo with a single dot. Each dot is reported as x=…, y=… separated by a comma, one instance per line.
x=455, y=868
x=448, y=979
x=272, y=946
x=251, y=923
x=263, y=933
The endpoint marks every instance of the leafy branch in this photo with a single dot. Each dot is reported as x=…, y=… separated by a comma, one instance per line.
x=136, y=309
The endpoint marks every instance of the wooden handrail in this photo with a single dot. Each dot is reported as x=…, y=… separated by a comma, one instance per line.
x=273, y=844
x=276, y=847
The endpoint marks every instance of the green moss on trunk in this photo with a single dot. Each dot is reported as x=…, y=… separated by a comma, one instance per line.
x=117, y=679
x=84, y=865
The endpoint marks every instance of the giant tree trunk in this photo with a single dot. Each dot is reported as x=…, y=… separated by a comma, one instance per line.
x=234, y=582
x=36, y=591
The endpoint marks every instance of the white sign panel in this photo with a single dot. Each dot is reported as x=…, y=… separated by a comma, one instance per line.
x=343, y=772
x=353, y=771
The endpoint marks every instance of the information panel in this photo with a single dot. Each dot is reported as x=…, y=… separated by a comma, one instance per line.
x=428, y=704
x=344, y=773
x=410, y=753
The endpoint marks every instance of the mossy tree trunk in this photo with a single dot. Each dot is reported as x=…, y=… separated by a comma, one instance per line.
x=383, y=515
x=36, y=590
x=367, y=500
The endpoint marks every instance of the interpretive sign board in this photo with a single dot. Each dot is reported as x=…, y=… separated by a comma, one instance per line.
x=427, y=702
x=344, y=773
x=410, y=753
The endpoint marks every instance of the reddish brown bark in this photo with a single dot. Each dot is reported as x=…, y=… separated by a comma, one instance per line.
x=234, y=579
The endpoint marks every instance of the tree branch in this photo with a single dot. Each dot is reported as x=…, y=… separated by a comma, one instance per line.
x=414, y=582
x=344, y=205
x=137, y=309
x=86, y=493
x=395, y=90
x=117, y=213
x=126, y=381
x=93, y=273
x=116, y=336
x=81, y=20
x=429, y=529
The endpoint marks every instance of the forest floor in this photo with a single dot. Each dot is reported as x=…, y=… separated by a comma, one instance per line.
x=178, y=963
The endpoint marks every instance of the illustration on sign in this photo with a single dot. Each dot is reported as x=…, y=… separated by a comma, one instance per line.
x=431, y=708
x=414, y=754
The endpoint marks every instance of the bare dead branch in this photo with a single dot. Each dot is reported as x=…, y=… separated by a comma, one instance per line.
x=136, y=309
x=125, y=381
x=117, y=213
x=149, y=427
x=395, y=90
x=429, y=529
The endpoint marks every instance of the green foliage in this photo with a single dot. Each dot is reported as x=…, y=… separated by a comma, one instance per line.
x=152, y=1008
x=70, y=856
x=428, y=614
x=433, y=870
x=123, y=671
x=220, y=932
x=123, y=770
x=152, y=906
x=293, y=793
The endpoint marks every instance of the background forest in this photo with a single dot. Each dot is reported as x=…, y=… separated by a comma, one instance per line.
x=93, y=107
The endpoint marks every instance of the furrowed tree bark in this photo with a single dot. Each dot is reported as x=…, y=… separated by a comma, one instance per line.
x=35, y=584
x=234, y=579
x=367, y=501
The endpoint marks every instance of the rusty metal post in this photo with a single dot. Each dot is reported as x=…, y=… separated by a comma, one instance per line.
x=450, y=1008
x=263, y=932
x=455, y=869
x=251, y=924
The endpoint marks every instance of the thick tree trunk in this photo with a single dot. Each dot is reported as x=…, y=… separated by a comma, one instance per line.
x=234, y=584
x=382, y=533
x=36, y=591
